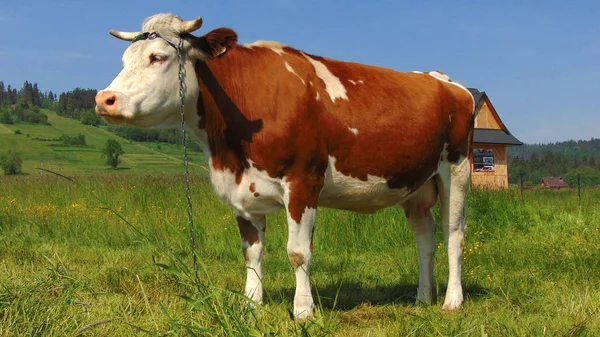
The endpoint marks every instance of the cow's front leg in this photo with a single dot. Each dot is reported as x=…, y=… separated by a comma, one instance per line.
x=253, y=238
x=301, y=206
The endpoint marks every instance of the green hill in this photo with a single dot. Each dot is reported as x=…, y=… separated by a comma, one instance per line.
x=39, y=143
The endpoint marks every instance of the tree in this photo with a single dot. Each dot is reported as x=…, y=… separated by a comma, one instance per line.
x=111, y=153
x=3, y=95
x=11, y=163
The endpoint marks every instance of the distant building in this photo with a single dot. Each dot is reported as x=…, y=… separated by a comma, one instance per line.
x=554, y=182
x=491, y=140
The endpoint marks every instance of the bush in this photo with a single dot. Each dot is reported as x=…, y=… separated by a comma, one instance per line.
x=89, y=117
x=11, y=163
x=18, y=132
x=78, y=140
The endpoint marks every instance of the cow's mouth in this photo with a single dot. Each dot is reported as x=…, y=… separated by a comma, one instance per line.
x=110, y=119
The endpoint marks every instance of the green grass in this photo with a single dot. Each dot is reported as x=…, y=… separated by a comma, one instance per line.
x=531, y=265
x=33, y=146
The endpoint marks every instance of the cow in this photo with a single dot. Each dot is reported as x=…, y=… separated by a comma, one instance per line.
x=285, y=129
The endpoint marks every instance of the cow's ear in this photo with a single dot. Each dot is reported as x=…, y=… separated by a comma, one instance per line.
x=217, y=42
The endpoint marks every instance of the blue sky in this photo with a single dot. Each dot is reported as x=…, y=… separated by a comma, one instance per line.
x=538, y=61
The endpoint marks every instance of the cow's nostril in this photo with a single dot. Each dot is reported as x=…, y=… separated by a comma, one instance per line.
x=111, y=100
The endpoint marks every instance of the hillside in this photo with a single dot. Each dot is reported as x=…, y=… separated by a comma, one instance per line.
x=38, y=143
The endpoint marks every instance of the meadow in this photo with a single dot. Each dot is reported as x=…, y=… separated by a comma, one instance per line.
x=109, y=255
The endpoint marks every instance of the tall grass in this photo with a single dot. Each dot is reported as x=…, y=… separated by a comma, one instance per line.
x=70, y=266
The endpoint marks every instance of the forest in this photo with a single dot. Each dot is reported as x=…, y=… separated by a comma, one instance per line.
x=560, y=159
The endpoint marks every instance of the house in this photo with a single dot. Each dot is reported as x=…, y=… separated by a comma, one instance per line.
x=491, y=140
x=554, y=182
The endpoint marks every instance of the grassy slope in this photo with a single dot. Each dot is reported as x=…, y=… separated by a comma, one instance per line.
x=138, y=157
x=531, y=265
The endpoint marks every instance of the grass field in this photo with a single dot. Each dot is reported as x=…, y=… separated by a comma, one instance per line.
x=35, y=145
x=69, y=263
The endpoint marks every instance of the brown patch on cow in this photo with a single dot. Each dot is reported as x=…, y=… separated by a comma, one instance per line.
x=229, y=131
x=256, y=194
x=296, y=259
x=248, y=232
x=253, y=187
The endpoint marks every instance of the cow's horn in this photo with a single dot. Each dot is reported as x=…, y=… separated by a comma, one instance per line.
x=192, y=25
x=127, y=36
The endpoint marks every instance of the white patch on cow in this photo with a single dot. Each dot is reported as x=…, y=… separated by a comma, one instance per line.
x=351, y=81
x=318, y=97
x=440, y=76
x=361, y=81
x=333, y=85
x=353, y=130
x=244, y=202
x=291, y=70
x=310, y=82
x=273, y=45
x=349, y=193
x=416, y=72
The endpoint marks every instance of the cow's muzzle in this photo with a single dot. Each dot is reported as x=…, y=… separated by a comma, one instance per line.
x=107, y=104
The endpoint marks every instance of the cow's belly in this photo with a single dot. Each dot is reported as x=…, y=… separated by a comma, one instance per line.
x=348, y=193
x=258, y=194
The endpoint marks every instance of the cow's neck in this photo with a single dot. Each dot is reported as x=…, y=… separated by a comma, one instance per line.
x=228, y=131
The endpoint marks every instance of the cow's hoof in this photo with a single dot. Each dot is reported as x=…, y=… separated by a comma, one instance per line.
x=302, y=315
x=452, y=302
x=424, y=298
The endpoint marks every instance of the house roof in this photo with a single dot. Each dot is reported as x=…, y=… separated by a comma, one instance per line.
x=477, y=95
x=494, y=136
x=491, y=136
x=554, y=182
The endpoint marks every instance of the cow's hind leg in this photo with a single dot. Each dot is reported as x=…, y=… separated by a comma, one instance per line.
x=301, y=205
x=453, y=184
x=253, y=237
x=417, y=210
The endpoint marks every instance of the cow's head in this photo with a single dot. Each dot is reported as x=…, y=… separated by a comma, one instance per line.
x=146, y=91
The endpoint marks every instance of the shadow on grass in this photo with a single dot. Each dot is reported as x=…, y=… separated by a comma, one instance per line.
x=349, y=295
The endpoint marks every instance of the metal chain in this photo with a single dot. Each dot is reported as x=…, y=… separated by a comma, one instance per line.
x=182, y=90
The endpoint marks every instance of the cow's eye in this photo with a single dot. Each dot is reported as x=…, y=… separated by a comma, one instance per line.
x=154, y=58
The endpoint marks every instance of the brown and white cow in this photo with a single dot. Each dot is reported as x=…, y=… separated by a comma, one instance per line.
x=285, y=129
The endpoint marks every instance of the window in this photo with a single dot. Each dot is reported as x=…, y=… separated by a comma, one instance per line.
x=483, y=160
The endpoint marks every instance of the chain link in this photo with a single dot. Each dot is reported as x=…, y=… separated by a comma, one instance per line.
x=182, y=89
